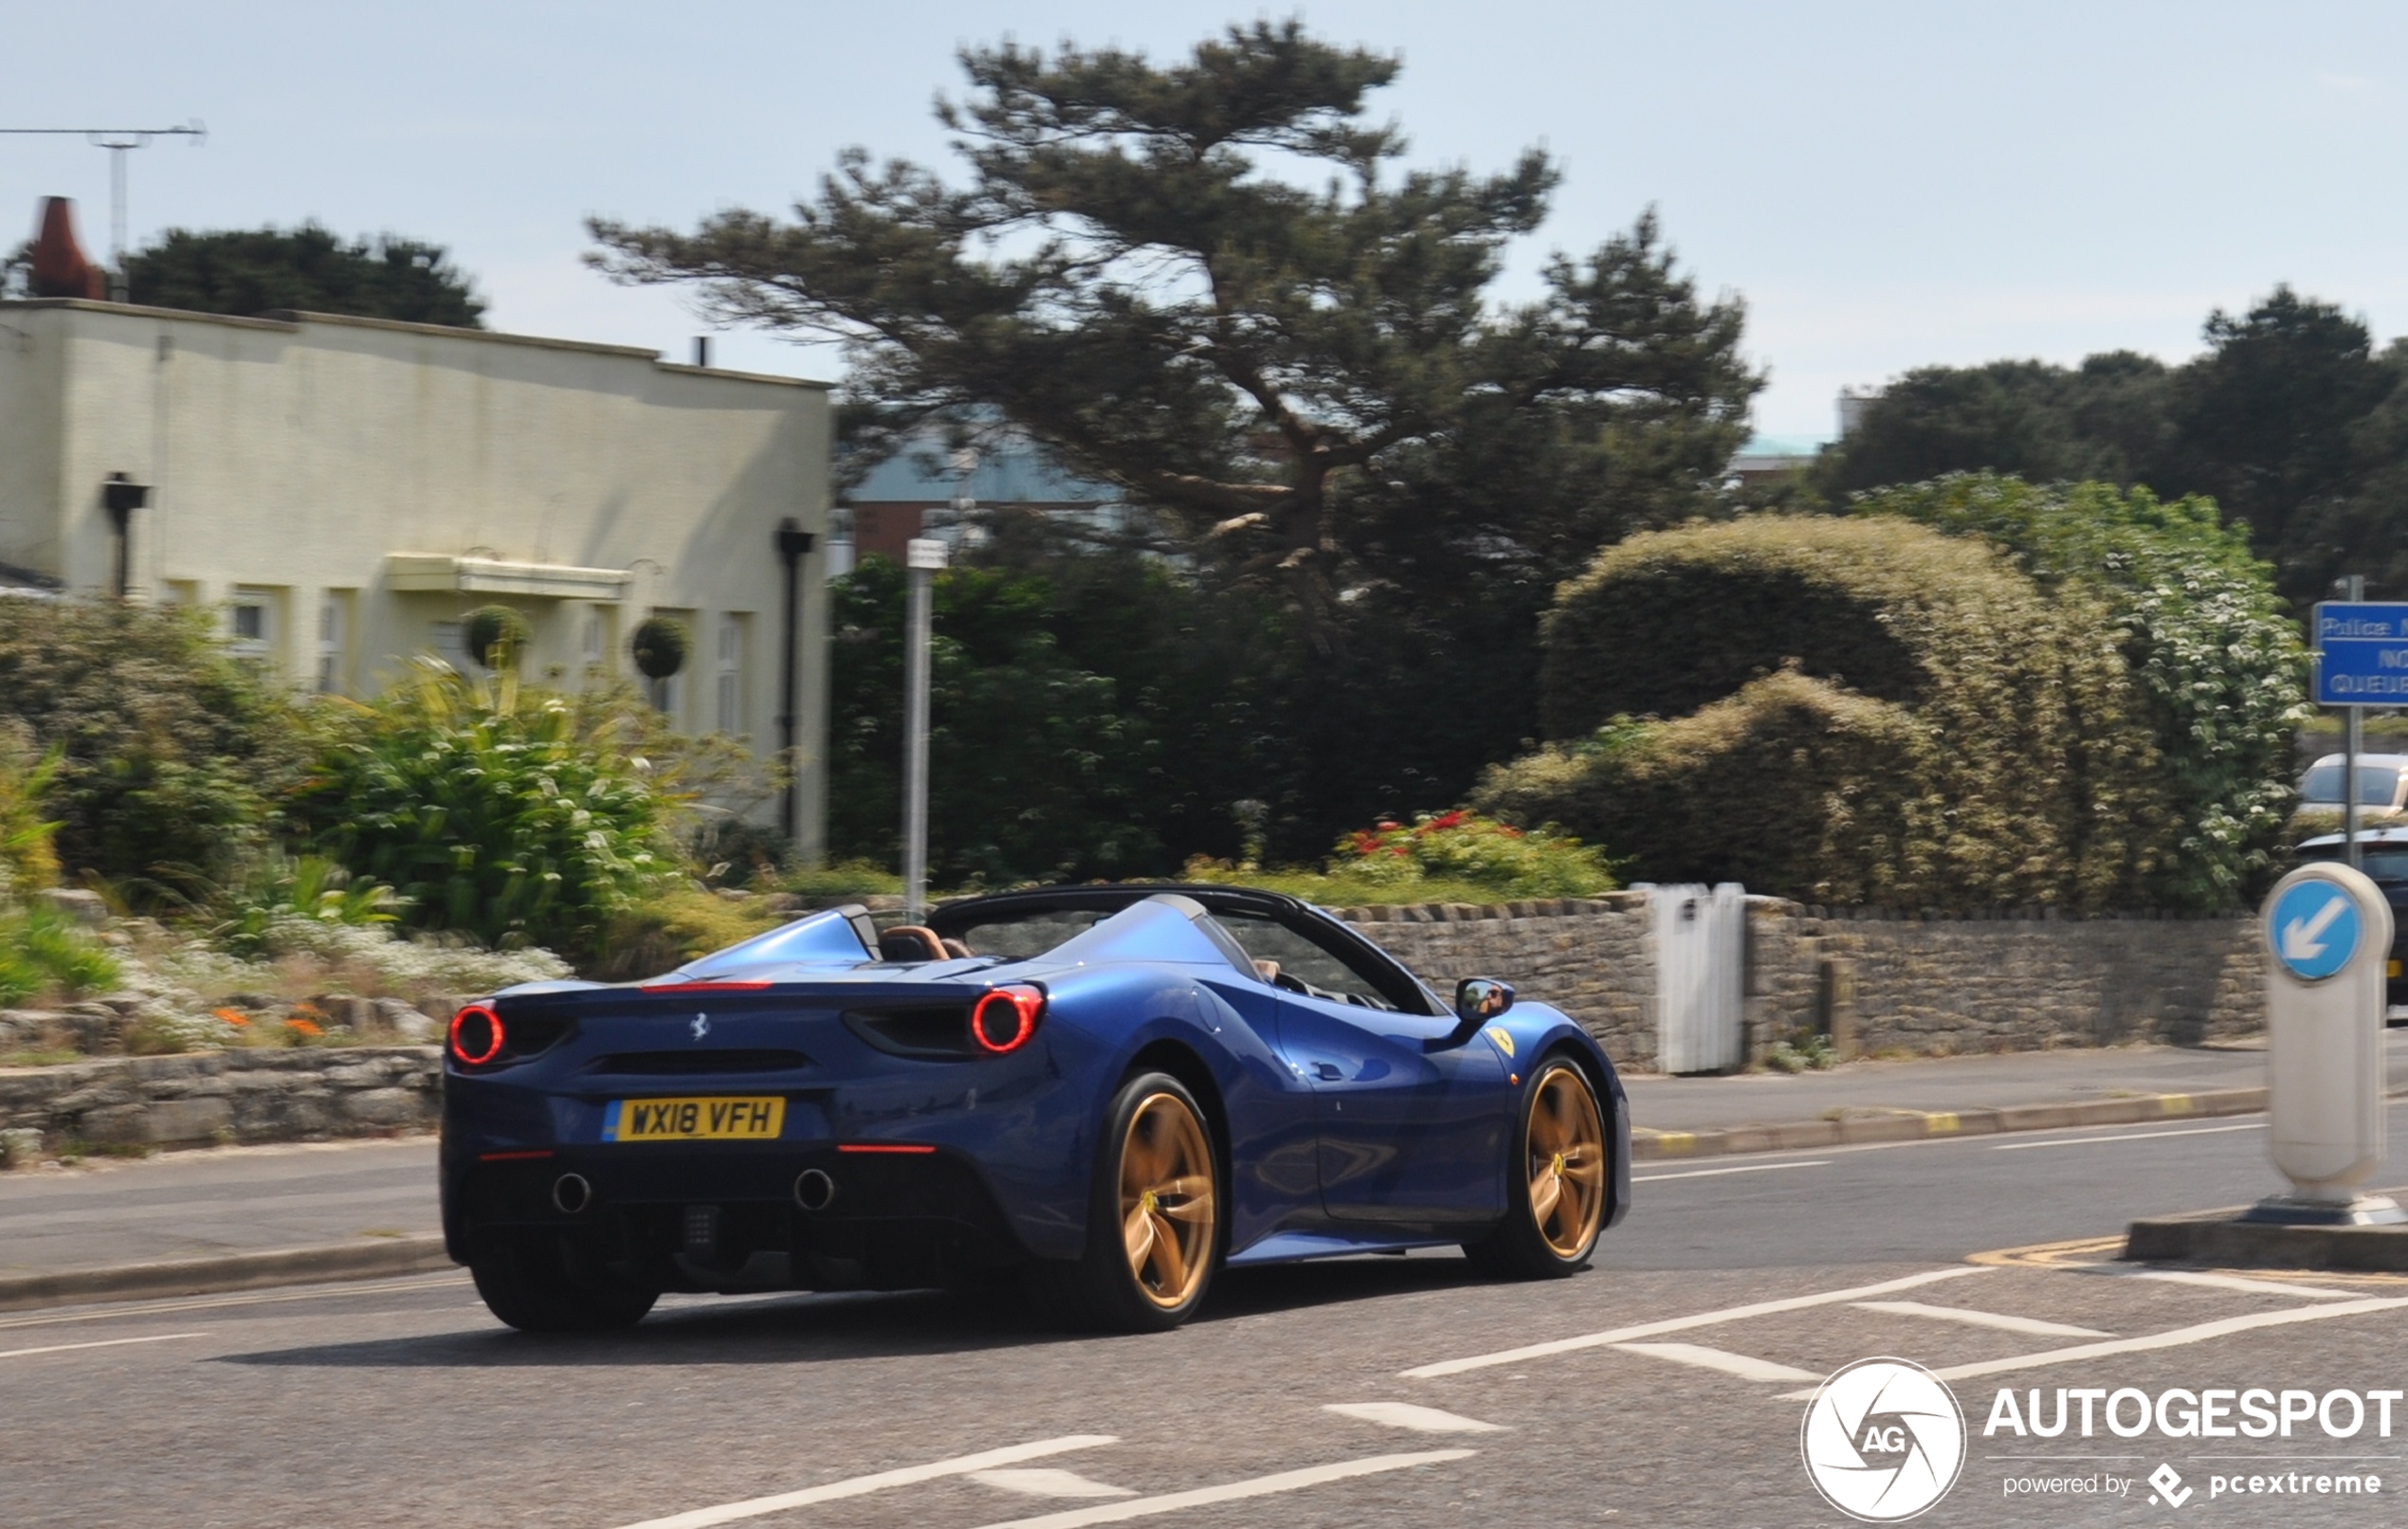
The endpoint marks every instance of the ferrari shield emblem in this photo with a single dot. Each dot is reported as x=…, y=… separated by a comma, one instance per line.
x=1504, y=1040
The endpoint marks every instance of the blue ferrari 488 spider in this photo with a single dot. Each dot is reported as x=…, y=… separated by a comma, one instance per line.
x=1114, y=1091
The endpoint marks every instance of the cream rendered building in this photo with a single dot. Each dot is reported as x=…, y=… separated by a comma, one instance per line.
x=341, y=491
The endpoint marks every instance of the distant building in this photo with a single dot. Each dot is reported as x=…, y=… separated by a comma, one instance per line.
x=913, y=491
x=341, y=492
x=1852, y=404
x=1766, y=458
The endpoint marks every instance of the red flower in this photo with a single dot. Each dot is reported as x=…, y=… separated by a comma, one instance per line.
x=1453, y=820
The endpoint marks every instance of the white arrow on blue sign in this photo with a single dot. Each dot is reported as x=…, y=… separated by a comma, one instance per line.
x=2313, y=928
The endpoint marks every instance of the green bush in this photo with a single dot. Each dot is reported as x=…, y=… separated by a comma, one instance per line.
x=1449, y=857
x=172, y=754
x=2027, y=773
x=43, y=950
x=1792, y=786
x=496, y=634
x=278, y=887
x=671, y=927
x=1464, y=846
x=505, y=813
x=2220, y=669
x=660, y=646
x=28, y=858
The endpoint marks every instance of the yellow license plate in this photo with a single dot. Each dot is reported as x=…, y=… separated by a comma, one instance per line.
x=693, y=1120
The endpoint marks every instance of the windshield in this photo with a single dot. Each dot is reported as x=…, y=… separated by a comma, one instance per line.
x=2377, y=786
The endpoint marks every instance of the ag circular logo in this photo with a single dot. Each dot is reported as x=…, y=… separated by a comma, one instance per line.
x=1883, y=1440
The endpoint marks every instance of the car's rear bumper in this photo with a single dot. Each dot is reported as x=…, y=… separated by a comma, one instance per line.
x=728, y=1217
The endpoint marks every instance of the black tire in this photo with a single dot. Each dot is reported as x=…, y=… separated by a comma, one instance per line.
x=1112, y=1286
x=538, y=1284
x=1526, y=1246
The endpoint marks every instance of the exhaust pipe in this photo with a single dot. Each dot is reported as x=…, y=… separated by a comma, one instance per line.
x=571, y=1193
x=814, y=1190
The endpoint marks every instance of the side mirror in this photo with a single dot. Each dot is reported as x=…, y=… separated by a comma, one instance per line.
x=1478, y=1000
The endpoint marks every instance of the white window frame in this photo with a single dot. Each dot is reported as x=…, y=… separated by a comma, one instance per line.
x=732, y=641
x=259, y=604
x=334, y=632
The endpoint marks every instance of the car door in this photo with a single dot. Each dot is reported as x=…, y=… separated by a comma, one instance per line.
x=1411, y=1128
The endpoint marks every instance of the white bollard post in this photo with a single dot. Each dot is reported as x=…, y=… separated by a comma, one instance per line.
x=2327, y=934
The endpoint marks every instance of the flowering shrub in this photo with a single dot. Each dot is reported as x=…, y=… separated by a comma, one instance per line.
x=1464, y=846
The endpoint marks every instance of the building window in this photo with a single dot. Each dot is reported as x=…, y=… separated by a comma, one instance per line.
x=334, y=621
x=250, y=625
x=449, y=641
x=730, y=716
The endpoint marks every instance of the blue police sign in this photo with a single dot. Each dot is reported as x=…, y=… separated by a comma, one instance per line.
x=2362, y=654
x=2313, y=928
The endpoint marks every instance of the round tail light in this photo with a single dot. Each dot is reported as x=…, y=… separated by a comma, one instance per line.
x=475, y=1035
x=1003, y=1020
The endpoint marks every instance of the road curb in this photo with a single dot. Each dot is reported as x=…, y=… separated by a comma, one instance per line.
x=2228, y=1243
x=381, y=1258
x=1916, y=1125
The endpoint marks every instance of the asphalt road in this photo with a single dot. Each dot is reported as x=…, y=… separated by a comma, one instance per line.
x=1661, y=1393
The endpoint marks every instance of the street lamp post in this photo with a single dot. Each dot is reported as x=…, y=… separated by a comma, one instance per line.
x=922, y=557
x=793, y=544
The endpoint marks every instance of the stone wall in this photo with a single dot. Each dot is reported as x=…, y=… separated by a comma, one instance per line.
x=227, y=1097
x=1894, y=984
x=2028, y=983
x=1589, y=957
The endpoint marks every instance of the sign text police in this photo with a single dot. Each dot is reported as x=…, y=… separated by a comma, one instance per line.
x=2362, y=654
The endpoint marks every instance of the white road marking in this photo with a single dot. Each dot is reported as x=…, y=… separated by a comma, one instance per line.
x=1745, y=1366
x=1982, y=1319
x=1715, y=1172
x=2134, y=1136
x=2233, y=1281
x=1677, y=1324
x=103, y=1343
x=1045, y=1480
x=1406, y=1415
x=2179, y=1337
x=1287, y=1481
x=861, y=1486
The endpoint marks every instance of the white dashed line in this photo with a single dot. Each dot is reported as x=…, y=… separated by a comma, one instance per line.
x=103, y=1343
x=1406, y=1415
x=1745, y=1366
x=2179, y=1337
x=1045, y=1480
x=1981, y=1318
x=2231, y=1281
x=861, y=1486
x=2134, y=1136
x=1715, y=1173
x=1677, y=1324
x=1287, y=1481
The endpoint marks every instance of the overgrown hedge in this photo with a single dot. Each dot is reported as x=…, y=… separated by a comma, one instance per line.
x=2221, y=670
x=1913, y=719
x=172, y=755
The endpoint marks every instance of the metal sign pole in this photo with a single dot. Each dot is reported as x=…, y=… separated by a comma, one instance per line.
x=922, y=557
x=2354, y=590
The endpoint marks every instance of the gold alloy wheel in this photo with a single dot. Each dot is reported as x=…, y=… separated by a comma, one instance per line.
x=1565, y=1157
x=1166, y=1200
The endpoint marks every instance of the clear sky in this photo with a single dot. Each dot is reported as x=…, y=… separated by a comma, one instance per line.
x=1887, y=185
